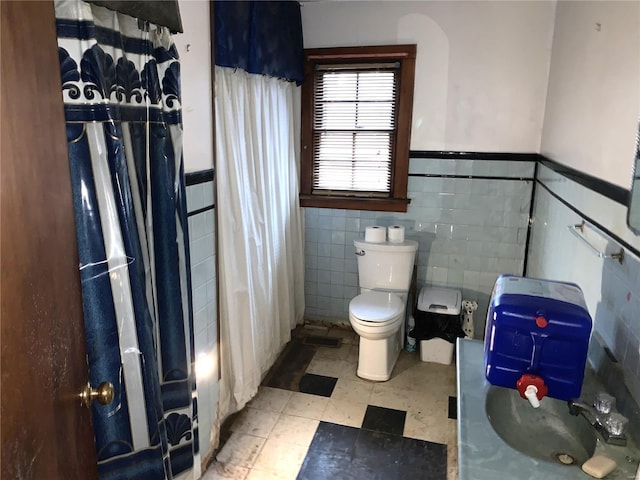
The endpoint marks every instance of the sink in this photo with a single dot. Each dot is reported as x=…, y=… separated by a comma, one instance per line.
x=547, y=433
x=501, y=436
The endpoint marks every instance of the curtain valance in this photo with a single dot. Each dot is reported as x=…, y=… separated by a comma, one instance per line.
x=260, y=37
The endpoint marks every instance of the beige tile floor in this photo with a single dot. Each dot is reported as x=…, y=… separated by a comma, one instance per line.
x=271, y=436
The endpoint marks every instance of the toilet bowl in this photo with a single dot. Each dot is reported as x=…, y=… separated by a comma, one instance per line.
x=377, y=317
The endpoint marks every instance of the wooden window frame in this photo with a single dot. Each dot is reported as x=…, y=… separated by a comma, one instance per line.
x=397, y=200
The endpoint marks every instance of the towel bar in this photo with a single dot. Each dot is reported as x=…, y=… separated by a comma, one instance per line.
x=579, y=231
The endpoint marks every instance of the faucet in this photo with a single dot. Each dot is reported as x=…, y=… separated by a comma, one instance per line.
x=578, y=407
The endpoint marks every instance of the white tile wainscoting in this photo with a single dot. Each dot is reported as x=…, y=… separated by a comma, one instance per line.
x=612, y=290
x=200, y=208
x=469, y=216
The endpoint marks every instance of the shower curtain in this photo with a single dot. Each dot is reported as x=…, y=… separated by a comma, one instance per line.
x=121, y=91
x=259, y=58
x=261, y=250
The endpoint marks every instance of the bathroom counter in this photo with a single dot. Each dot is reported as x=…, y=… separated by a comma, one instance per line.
x=482, y=454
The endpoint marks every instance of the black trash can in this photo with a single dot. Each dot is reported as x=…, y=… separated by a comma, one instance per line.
x=438, y=323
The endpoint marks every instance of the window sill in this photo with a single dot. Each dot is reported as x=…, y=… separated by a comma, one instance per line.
x=355, y=203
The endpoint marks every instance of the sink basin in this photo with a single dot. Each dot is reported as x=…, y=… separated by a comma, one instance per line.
x=547, y=433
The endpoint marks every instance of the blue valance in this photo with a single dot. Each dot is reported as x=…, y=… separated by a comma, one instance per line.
x=263, y=37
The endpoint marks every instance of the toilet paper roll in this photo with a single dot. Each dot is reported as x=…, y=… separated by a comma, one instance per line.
x=375, y=234
x=396, y=233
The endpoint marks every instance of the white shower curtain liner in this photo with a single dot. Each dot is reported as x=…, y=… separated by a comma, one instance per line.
x=260, y=233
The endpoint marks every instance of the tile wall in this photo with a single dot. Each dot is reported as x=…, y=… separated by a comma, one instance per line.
x=470, y=218
x=612, y=290
x=200, y=207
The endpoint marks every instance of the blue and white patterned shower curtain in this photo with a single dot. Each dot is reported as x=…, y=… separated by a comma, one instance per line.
x=121, y=90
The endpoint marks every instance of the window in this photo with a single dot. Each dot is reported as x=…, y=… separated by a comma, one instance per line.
x=356, y=125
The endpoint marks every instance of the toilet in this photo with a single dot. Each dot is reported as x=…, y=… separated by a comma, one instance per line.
x=378, y=313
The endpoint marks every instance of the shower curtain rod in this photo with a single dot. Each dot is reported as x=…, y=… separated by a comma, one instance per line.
x=165, y=13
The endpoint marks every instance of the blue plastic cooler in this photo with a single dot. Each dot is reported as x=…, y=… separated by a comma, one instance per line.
x=537, y=328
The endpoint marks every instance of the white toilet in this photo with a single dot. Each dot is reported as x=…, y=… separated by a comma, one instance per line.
x=378, y=314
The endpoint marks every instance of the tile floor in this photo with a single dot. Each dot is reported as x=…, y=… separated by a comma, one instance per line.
x=347, y=427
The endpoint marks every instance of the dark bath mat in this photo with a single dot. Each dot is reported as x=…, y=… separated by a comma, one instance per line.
x=317, y=384
x=323, y=341
x=289, y=369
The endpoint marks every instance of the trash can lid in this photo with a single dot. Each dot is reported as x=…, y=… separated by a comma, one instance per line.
x=446, y=301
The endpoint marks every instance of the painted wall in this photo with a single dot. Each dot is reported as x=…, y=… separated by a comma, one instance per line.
x=481, y=68
x=194, y=48
x=593, y=100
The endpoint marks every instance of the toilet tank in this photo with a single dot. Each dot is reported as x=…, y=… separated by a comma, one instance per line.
x=385, y=266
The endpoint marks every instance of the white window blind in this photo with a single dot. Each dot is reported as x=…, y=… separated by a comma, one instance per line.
x=354, y=128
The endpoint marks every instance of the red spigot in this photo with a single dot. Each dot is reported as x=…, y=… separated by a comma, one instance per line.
x=532, y=388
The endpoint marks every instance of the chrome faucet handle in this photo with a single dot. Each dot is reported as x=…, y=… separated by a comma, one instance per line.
x=616, y=424
x=614, y=428
x=604, y=403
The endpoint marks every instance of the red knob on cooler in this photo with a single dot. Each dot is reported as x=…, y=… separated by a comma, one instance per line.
x=527, y=380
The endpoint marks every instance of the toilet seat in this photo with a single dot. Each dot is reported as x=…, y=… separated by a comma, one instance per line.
x=376, y=308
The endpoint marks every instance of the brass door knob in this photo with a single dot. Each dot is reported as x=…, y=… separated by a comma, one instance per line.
x=103, y=394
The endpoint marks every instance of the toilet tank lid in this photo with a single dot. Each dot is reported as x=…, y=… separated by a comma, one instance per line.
x=376, y=306
x=406, y=246
x=446, y=301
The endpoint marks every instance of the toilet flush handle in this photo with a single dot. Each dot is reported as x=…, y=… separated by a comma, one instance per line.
x=360, y=253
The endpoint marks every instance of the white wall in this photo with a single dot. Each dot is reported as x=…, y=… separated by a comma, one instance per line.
x=481, y=69
x=194, y=48
x=593, y=100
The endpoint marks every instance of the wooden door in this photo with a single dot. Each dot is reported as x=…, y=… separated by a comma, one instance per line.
x=46, y=434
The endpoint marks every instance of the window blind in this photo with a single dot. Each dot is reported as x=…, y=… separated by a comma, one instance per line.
x=354, y=128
